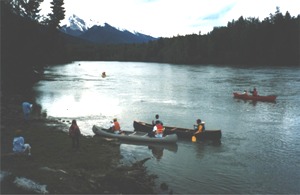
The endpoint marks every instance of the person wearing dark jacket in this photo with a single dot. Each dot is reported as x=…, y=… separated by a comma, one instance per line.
x=74, y=133
x=156, y=119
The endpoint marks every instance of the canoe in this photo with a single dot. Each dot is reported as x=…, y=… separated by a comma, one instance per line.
x=180, y=132
x=134, y=136
x=269, y=98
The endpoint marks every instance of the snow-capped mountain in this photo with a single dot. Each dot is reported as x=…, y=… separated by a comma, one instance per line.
x=77, y=23
x=75, y=26
x=106, y=34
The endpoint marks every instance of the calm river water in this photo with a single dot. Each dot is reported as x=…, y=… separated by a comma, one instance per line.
x=259, y=151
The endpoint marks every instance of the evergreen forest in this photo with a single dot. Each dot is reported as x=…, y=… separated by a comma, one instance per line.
x=29, y=42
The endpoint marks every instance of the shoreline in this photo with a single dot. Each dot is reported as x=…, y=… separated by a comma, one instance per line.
x=93, y=168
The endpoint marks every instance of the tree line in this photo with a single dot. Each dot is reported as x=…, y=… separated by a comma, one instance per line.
x=30, y=41
x=246, y=41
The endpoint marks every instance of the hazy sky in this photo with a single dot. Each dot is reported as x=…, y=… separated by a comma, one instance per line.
x=168, y=18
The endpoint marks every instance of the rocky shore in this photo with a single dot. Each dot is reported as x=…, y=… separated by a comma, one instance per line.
x=55, y=167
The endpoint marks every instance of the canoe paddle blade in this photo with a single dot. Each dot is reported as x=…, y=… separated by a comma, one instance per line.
x=194, y=138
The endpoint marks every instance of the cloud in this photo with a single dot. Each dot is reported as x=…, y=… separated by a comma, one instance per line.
x=169, y=18
x=219, y=14
x=149, y=1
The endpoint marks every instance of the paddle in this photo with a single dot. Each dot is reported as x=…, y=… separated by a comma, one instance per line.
x=173, y=129
x=194, y=139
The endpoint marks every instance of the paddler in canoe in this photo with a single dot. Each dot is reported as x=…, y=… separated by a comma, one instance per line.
x=115, y=127
x=245, y=92
x=158, y=129
x=254, y=92
x=156, y=119
x=199, y=127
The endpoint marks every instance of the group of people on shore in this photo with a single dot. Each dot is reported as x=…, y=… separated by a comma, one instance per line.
x=19, y=145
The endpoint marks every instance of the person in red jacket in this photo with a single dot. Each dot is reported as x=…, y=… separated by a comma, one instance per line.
x=158, y=129
x=74, y=133
x=116, y=128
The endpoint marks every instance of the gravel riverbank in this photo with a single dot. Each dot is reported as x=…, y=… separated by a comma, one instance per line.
x=55, y=167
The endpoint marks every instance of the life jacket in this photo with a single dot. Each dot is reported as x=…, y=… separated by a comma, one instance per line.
x=203, y=127
x=160, y=129
x=116, y=126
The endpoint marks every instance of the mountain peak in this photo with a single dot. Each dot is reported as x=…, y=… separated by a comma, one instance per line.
x=96, y=33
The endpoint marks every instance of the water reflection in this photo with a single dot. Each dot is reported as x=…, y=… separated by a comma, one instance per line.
x=157, y=149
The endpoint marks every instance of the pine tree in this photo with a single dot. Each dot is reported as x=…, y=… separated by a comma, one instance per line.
x=58, y=13
x=26, y=8
x=32, y=8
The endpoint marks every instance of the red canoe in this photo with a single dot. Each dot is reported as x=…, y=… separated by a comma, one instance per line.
x=269, y=98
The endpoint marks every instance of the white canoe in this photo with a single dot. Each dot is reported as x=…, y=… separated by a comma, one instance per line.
x=134, y=136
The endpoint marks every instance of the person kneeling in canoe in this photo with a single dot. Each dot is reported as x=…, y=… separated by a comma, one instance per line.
x=254, y=92
x=116, y=128
x=199, y=127
x=158, y=129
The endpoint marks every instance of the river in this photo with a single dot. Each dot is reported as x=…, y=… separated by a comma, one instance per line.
x=259, y=149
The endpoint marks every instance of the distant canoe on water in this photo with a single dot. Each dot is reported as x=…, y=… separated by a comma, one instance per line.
x=269, y=98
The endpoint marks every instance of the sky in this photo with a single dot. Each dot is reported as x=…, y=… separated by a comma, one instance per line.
x=168, y=18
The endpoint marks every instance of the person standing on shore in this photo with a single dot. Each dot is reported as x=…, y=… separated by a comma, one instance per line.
x=74, y=133
x=19, y=145
x=27, y=108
